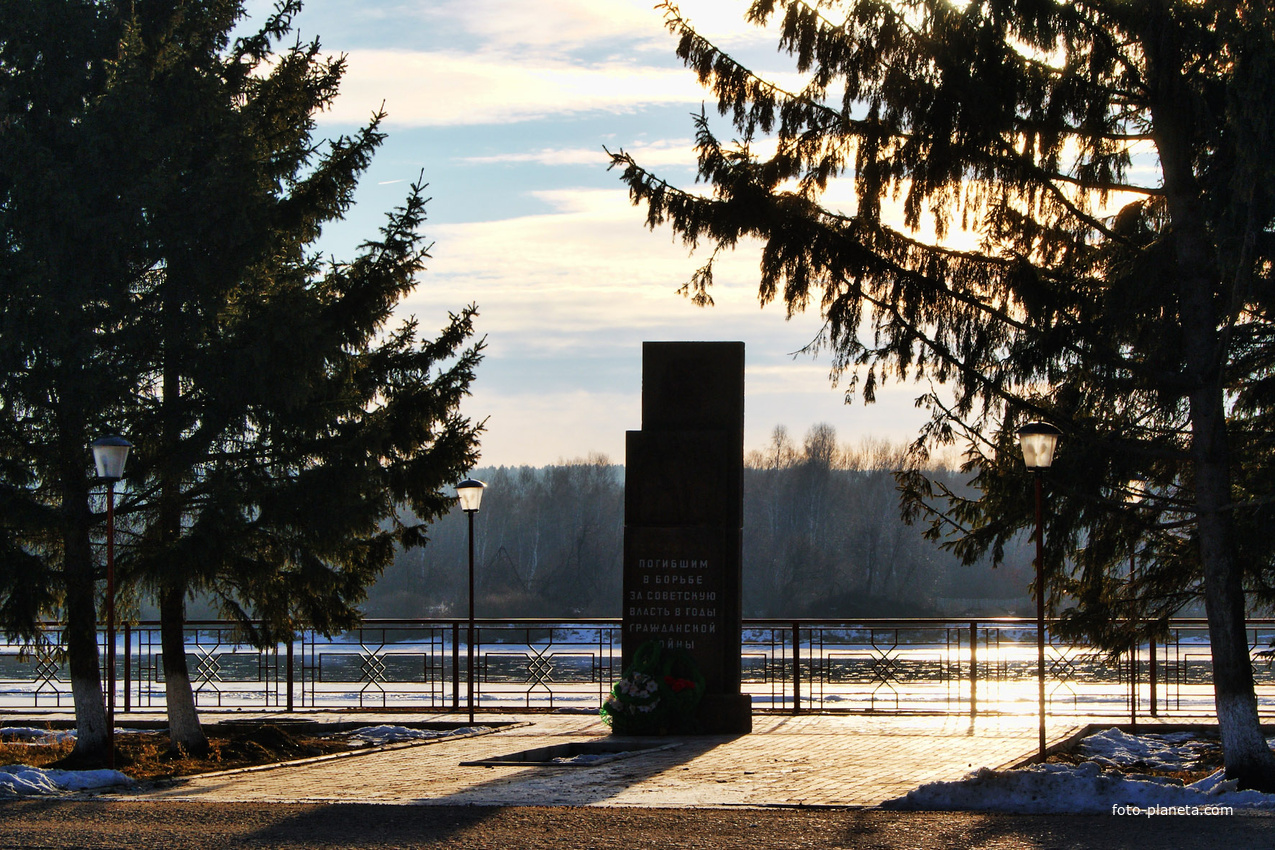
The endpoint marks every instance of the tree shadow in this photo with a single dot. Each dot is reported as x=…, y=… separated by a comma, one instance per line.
x=439, y=817
x=586, y=785
x=371, y=825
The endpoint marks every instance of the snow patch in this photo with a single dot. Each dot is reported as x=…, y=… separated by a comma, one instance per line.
x=591, y=758
x=1169, y=751
x=33, y=735
x=374, y=736
x=20, y=780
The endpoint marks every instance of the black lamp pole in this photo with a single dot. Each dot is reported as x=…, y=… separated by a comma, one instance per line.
x=1040, y=612
x=1137, y=491
x=470, y=493
x=469, y=641
x=1038, y=440
x=1135, y=666
x=110, y=623
x=109, y=456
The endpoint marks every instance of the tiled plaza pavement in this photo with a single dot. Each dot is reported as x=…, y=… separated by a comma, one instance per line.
x=786, y=761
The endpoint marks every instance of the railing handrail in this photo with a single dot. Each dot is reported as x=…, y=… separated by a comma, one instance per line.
x=747, y=621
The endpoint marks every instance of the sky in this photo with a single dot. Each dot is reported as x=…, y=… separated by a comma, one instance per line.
x=504, y=108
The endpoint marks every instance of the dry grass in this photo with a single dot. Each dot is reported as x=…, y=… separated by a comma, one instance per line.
x=35, y=755
x=147, y=756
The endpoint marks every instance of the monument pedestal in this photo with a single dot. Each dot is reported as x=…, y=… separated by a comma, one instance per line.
x=726, y=714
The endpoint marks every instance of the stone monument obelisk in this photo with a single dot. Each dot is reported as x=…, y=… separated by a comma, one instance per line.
x=683, y=518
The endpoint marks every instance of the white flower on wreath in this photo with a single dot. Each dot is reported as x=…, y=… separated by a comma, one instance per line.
x=638, y=685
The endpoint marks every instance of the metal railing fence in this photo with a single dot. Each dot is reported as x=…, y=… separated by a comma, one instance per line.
x=931, y=666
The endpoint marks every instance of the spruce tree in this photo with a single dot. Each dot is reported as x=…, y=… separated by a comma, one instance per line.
x=67, y=217
x=1132, y=330
x=279, y=421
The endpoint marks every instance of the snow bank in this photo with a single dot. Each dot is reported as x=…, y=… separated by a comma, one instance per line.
x=372, y=736
x=1086, y=789
x=20, y=780
x=1089, y=789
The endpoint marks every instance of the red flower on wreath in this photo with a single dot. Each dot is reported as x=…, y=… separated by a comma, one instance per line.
x=678, y=685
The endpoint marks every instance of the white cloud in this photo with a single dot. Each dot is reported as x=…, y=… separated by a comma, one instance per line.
x=453, y=88
x=589, y=262
x=565, y=25
x=497, y=61
x=560, y=25
x=674, y=152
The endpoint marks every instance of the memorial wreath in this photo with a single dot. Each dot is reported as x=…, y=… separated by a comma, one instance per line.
x=657, y=695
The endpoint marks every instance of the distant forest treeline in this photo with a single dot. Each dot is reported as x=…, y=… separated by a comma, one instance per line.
x=822, y=538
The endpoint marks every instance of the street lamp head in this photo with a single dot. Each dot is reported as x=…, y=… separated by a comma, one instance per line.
x=110, y=454
x=470, y=492
x=1037, y=440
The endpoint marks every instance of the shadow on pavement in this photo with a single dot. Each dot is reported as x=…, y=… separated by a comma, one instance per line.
x=585, y=785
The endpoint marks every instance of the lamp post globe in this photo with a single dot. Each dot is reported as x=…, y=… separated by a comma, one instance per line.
x=470, y=493
x=109, y=456
x=1038, y=441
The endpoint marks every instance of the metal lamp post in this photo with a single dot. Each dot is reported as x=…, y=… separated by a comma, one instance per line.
x=470, y=492
x=1137, y=489
x=109, y=455
x=1037, y=441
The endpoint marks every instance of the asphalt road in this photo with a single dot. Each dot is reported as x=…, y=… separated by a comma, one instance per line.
x=211, y=826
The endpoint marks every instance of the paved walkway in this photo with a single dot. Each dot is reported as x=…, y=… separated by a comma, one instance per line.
x=786, y=761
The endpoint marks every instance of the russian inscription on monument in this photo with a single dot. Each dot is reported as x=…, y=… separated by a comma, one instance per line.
x=683, y=517
x=678, y=595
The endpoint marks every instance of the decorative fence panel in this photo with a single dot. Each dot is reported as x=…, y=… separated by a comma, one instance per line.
x=936, y=666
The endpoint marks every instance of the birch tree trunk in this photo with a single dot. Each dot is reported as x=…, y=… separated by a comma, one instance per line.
x=81, y=615
x=1247, y=757
x=184, y=730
